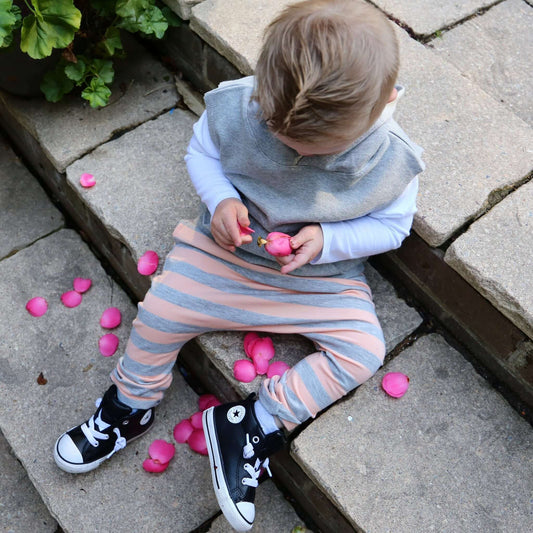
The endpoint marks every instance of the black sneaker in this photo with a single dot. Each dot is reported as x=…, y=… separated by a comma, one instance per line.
x=237, y=449
x=85, y=447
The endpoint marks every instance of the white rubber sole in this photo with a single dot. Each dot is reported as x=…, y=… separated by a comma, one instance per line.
x=228, y=508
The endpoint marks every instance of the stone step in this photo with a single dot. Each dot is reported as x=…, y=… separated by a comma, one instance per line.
x=450, y=455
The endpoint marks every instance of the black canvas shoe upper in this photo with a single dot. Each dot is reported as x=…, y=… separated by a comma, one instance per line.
x=86, y=446
x=238, y=450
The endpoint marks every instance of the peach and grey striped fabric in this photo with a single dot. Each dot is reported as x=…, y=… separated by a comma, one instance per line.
x=205, y=288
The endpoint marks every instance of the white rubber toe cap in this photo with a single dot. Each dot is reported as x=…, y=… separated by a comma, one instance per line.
x=247, y=510
x=68, y=451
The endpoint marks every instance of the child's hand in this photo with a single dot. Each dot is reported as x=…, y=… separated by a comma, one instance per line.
x=307, y=244
x=225, y=224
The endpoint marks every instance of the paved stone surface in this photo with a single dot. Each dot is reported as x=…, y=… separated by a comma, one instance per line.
x=425, y=17
x=143, y=171
x=182, y=7
x=24, y=207
x=474, y=146
x=272, y=513
x=450, y=455
x=21, y=508
x=235, y=27
x=398, y=320
x=62, y=345
x=69, y=129
x=494, y=256
x=495, y=51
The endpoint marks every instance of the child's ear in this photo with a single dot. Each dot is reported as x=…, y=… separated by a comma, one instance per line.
x=393, y=95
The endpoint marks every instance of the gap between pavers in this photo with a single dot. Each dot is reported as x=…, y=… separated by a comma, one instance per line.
x=24, y=206
x=63, y=346
x=21, y=508
x=450, y=455
x=494, y=256
x=495, y=50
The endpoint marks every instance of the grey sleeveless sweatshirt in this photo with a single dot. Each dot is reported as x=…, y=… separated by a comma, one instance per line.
x=284, y=191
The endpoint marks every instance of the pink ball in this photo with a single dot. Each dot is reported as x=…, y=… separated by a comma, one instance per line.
x=87, y=180
x=244, y=370
x=153, y=466
x=395, y=384
x=205, y=401
x=249, y=339
x=37, y=306
x=182, y=431
x=197, y=442
x=108, y=344
x=263, y=347
x=161, y=451
x=261, y=364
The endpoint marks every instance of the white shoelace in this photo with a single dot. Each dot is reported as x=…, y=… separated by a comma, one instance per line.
x=255, y=470
x=93, y=435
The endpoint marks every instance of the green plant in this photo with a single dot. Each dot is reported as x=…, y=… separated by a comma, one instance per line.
x=89, y=32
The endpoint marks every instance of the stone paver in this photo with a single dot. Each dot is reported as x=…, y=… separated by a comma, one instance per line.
x=474, y=146
x=69, y=129
x=235, y=27
x=21, y=508
x=397, y=319
x=450, y=455
x=495, y=256
x=182, y=7
x=273, y=513
x=62, y=345
x=495, y=51
x=25, y=211
x=425, y=17
x=142, y=170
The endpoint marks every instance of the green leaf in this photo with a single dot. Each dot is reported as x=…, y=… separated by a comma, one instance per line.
x=112, y=41
x=52, y=26
x=9, y=21
x=97, y=93
x=132, y=8
x=76, y=71
x=56, y=84
x=103, y=69
x=153, y=21
x=172, y=19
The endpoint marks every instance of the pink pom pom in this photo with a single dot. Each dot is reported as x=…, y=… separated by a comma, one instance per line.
x=148, y=263
x=263, y=347
x=261, y=364
x=150, y=465
x=108, y=344
x=71, y=298
x=82, y=285
x=197, y=442
x=196, y=420
x=205, y=401
x=244, y=370
x=161, y=451
x=395, y=384
x=111, y=318
x=182, y=431
x=87, y=180
x=277, y=368
x=37, y=306
x=249, y=339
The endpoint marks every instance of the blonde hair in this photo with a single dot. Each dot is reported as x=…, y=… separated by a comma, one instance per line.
x=326, y=69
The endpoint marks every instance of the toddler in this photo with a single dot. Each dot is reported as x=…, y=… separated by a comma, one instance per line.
x=308, y=147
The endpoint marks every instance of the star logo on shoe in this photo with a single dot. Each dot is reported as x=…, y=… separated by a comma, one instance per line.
x=236, y=414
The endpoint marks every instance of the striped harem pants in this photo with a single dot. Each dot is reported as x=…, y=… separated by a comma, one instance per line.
x=205, y=288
